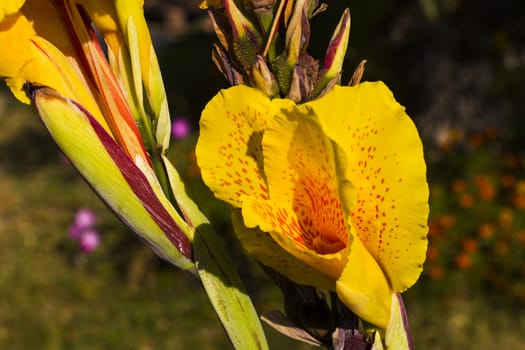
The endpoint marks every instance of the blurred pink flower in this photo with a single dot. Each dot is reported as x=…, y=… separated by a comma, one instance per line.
x=74, y=231
x=180, y=128
x=82, y=229
x=85, y=218
x=89, y=241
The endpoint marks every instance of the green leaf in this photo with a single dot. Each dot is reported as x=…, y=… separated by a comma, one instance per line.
x=218, y=274
x=226, y=291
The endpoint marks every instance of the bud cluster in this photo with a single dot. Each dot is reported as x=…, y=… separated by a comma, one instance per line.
x=263, y=44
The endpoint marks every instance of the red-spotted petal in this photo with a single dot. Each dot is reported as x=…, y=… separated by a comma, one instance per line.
x=385, y=164
x=229, y=150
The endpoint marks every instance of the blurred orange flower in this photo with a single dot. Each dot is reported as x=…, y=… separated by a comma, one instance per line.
x=506, y=218
x=436, y=272
x=447, y=220
x=432, y=253
x=464, y=261
x=486, y=189
x=459, y=185
x=508, y=180
x=466, y=200
x=486, y=230
x=470, y=245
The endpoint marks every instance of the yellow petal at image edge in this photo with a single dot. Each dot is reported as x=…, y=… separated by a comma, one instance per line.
x=43, y=55
x=9, y=7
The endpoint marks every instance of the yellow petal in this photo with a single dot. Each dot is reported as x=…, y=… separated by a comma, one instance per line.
x=9, y=7
x=22, y=60
x=364, y=288
x=42, y=54
x=300, y=171
x=384, y=162
x=303, y=214
x=229, y=147
x=262, y=247
x=282, y=225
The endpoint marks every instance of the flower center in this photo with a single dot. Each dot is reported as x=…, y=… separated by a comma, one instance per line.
x=321, y=217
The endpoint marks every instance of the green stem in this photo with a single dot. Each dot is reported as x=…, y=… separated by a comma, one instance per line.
x=146, y=130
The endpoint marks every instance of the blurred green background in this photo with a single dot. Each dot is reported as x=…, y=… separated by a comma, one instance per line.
x=457, y=66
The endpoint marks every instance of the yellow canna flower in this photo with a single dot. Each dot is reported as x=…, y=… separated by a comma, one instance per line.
x=331, y=193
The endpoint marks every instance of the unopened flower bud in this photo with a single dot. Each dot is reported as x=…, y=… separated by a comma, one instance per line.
x=263, y=78
x=297, y=34
x=335, y=54
x=247, y=41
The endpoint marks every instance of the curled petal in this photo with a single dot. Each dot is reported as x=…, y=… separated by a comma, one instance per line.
x=51, y=61
x=265, y=249
x=284, y=229
x=303, y=214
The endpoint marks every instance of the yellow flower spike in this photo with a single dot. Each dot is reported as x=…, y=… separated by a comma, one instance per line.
x=385, y=164
x=55, y=54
